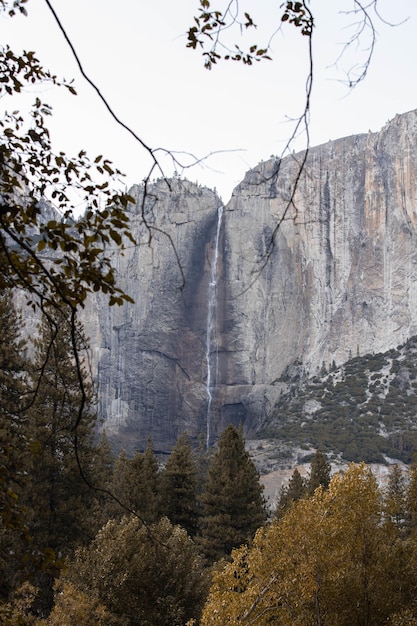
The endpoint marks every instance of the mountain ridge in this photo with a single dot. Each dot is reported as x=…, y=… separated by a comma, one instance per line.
x=341, y=279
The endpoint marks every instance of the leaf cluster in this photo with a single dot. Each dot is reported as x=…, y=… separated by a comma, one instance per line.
x=12, y=6
x=299, y=14
x=43, y=248
x=59, y=259
x=208, y=27
x=18, y=71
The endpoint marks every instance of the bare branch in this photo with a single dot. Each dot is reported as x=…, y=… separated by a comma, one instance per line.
x=144, y=145
x=301, y=124
x=364, y=28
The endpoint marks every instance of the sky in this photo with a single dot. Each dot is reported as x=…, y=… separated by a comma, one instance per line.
x=135, y=52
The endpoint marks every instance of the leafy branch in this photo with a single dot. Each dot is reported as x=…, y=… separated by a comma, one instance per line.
x=209, y=26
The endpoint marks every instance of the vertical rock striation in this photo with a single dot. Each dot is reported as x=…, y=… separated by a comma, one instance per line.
x=340, y=279
x=149, y=358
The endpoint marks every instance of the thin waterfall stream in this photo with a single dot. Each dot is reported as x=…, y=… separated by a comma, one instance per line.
x=211, y=331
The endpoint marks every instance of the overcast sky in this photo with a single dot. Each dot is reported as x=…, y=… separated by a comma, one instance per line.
x=134, y=50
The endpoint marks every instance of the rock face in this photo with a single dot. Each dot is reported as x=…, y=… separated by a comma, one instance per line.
x=150, y=357
x=338, y=279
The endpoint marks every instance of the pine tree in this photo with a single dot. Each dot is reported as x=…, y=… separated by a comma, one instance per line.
x=14, y=449
x=13, y=361
x=119, y=488
x=395, y=498
x=13, y=394
x=320, y=470
x=179, y=482
x=294, y=491
x=233, y=504
x=135, y=483
x=59, y=496
x=411, y=500
x=102, y=464
x=150, y=501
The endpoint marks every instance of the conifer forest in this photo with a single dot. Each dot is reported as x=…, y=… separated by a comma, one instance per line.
x=90, y=537
x=97, y=533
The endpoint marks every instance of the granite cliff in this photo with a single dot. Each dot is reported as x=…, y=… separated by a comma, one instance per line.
x=215, y=329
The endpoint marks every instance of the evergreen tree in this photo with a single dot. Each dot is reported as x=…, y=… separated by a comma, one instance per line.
x=294, y=491
x=14, y=449
x=102, y=464
x=13, y=362
x=150, y=502
x=119, y=487
x=320, y=470
x=395, y=498
x=179, y=482
x=233, y=504
x=135, y=484
x=411, y=500
x=58, y=497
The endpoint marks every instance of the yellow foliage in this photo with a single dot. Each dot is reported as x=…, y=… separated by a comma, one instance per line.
x=329, y=561
x=74, y=608
x=408, y=617
x=16, y=612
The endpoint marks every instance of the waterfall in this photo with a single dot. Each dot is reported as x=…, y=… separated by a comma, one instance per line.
x=211, y=332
